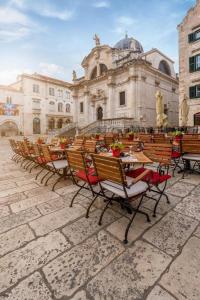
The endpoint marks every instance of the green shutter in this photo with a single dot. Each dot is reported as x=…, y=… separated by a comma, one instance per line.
x=193, y=92
x=191, y=37
x=192, y=63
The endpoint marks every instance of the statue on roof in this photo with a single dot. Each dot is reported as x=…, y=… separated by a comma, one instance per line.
x=74, y=76
x=97, y=40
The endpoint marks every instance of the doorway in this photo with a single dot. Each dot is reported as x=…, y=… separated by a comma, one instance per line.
x=197, y=119
x=36, y=126
x=99, y=113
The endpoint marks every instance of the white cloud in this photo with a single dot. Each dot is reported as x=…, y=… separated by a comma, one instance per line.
x=50, y=69
x=10, y=76
x=51, y=13
x=123, y=23
x=9, y=15
x=13, y=34
x=102, y=4
x=126, y=21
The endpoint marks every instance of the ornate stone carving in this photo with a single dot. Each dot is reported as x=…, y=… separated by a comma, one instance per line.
x=97, y=40
x=99, y=96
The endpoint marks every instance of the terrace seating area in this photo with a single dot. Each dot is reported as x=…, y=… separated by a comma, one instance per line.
x=80, y=215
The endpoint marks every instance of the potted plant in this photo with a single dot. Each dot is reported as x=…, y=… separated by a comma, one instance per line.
x=130, y=136
x=178, y=135
x=97, y=135
x=63, y=143
x=116, y=149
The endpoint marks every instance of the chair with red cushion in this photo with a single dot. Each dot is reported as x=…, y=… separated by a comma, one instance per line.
x=161, y=155
x=80, y=171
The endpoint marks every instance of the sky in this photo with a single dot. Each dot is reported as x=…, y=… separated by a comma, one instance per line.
x=52, y=37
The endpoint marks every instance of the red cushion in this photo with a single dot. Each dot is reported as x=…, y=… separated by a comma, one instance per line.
x=153, y=178
x=54, y=157
x=41, y=160
x=176, y=154
x=91, y=177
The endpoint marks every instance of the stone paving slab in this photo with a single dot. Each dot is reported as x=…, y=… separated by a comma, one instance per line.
x=6, y=186
x=20, y=189
x=159, y=294
x=4, y=211
x=180, y=189
x=55, y=220
x=183, y=277
x=190, y=206
x=12, y=198
x=129, y=276
x=16, y=265
x=79, y=296
x=33, y=201
x=191, y=179
x=70, y=271
x=163, y=206
x=52, y=205
x=197, y=232
x=196, y=191
x=37, y=191
x=15, y=238
x=32, y=288
x=14, y=220
x=171, y=232
x=83, y=228
x=138, y=226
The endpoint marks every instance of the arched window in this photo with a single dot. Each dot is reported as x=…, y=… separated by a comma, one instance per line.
x=9, y=100
x=164, y=67
x=103, y=69
x=59, y=123
x=68, y=107
x=60, y=107
x=36, y=126
x=94, y=73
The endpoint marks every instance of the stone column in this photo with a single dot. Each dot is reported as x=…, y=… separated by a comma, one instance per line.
x=111, y=100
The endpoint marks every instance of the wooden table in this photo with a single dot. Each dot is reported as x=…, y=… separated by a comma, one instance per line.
x=134, y=158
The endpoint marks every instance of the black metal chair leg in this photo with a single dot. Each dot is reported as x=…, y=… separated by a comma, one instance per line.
x=105, y=208
x=72, y=201
x=48, y=179
x=88, y=210
x=41, y=181
x=57, y=181
x=40, y=172
x=155, y=207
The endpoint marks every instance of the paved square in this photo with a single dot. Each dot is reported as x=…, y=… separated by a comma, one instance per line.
x=49, y=251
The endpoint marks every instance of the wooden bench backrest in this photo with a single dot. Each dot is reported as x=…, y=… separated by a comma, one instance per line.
x=108, y=140
x=76, y=160
x=192, y=146
x=36, y=150
x=109, y=168
x=90, y=146
x=158, y=152
x=145, y=138
x=46, y=153
x=127, y=144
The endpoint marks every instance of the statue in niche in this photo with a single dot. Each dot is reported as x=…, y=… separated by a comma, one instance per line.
x=74, y=76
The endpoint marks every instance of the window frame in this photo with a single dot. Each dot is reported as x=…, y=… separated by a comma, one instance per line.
x=36, y=88
x=192, y=37
x=81, y=107
x=120, y=93
x=194, y=63
x=193, y=91
x=51, y=91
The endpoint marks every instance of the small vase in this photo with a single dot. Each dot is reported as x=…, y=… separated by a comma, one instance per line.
x=62, y=146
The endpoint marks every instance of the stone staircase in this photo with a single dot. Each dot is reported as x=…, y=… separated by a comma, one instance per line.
x=67, y=130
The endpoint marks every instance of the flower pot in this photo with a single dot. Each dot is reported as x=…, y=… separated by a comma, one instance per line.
x=116, y=152
x=178, y=138
x=97, y=137
x=62, y=146
x=130, y=138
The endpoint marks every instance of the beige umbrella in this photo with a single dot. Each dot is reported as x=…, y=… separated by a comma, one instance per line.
x=184, y=111
x=161, y=118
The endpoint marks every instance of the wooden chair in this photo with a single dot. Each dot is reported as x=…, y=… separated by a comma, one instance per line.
x=160, y=154
x=191, y=154
x=113, y=179
x=54, y=166
x=90, y=146
x=80, y=171
x=16, y=157
x=78, y=144
x=108, y=140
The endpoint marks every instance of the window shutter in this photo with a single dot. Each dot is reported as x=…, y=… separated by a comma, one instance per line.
x=193, y=92
x=192, y=63
x=191, y=37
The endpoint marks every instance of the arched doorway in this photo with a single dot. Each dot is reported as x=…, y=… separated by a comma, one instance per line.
x=99, y=113
x=197, y=119
x=60, y=123
x=51, y=124
x=8, y=128
x=36, y=126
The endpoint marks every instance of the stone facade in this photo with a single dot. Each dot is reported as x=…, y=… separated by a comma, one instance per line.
x=189, y=49
x=11, y=111
x=122, y=82
x=47, y=103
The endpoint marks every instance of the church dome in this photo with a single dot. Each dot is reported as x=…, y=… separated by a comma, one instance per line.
x=129, y=44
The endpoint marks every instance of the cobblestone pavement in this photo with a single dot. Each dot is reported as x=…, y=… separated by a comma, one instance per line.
x=50, y=251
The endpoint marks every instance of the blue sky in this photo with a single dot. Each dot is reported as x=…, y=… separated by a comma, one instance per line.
x=53, y=36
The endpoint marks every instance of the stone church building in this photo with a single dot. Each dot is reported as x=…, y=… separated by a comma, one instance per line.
x=121, y=82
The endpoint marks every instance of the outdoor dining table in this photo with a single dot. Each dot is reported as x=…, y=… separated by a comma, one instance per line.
x=133, y=158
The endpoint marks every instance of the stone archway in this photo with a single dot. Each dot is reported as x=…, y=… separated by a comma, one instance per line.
x=99, y=113
x=9, y=128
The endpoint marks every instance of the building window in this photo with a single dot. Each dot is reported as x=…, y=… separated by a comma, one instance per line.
x=67, y=94
x=194, y=63
x=194, y=36
x=68, y=107
x=51, y=91
x=9, y=100
x=36, y=126
x=122, y=98
x=81, y=107
x=94, y=73
x=164, y=67
x=103, y=69
x=36, y=88
x=194, y=91
x=60, y=107
x=60, y=93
